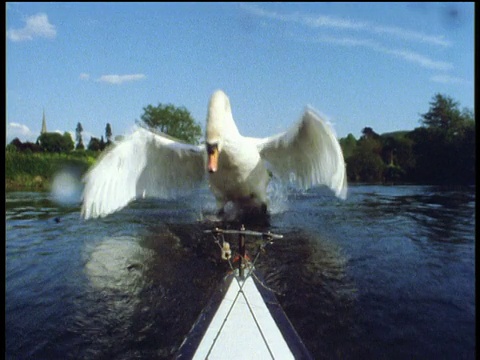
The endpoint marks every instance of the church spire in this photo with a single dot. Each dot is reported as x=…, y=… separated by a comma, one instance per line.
x=44, y=124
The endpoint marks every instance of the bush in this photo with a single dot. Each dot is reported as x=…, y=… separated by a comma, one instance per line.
x=55, y=142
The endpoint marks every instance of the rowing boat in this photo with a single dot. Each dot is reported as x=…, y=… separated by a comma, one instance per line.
x=243, y=319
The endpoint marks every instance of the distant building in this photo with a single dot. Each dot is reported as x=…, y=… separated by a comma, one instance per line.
x=44, y=124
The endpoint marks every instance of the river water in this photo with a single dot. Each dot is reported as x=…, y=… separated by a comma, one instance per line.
x=387, y=274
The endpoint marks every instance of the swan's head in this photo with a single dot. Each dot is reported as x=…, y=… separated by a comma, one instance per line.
x=220, y=125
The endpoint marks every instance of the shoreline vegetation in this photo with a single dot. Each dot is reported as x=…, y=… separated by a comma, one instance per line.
x=389, y=159
x=36, y=171
x=440, y=152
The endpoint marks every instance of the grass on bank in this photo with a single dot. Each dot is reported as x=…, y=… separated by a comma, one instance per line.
x=26, y=171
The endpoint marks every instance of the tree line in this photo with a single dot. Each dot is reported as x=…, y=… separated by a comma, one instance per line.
x=440, y=151
x=58, y=143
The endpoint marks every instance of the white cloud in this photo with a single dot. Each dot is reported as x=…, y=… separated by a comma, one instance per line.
x=447, y=79
x=84, y=76
x=411, y=35
x=308, y=20
x=35, y=26
x=347, y=41
x=407, y=55
x=419, y=59
x=20, y=131
x=24, y=134
x=317, y=21
x=331, y=22
x=119, y=79
x=353, y=31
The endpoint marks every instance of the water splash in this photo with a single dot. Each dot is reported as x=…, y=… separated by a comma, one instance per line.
x=277, y=193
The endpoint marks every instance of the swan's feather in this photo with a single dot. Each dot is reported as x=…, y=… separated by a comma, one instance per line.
x=145, y=164
x=307, y=155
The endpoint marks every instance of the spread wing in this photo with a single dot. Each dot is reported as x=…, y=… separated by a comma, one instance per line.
x=308, y=155
x=143, y=165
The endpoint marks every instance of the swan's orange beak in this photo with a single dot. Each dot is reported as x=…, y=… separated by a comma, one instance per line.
x=212, y=159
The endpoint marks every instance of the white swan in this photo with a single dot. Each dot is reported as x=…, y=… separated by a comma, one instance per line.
x=147, y=164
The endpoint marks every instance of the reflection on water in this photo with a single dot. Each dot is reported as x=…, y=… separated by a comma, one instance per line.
x=118, y=264
x=389, y=273
x=440, y=217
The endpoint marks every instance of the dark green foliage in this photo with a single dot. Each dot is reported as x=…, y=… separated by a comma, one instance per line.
x=55, y=142
x=108, y=134
x=369, y=134
x=80, y=145
x=393, y=174
x=443, y=115
x=173, y=121
x=78, y=137
x=348, y=145
x=445, y=147
x=17, y=145
x=365, y=164
x=397, y=154
x=95, y=144
x=440, y=152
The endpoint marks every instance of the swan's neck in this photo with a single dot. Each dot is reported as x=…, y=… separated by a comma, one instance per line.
x=221, y=127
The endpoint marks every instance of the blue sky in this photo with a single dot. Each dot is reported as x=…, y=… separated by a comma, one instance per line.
x=358, y=64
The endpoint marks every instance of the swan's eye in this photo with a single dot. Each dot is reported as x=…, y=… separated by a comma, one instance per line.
x=212, y=148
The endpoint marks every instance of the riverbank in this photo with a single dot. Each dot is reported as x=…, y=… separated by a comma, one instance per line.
x=26, y=171
x=36, y=171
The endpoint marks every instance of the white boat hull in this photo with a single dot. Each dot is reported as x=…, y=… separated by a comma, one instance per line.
x=248, y=323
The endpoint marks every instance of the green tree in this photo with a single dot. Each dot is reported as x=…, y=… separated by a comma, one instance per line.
x=445, y=146
x=55, y=142
x=78, y=137
x=94, y=144
x=370, y=141
x=17, y=145
x=365, y=163
x=108, y=134
x=431, y=156
x=68, y=144
x=368, y=133
x=173, y=121
x=348, y=145
x=445, y=116
x=365, y=166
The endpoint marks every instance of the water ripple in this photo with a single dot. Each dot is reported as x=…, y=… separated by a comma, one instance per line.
x=388, y=273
